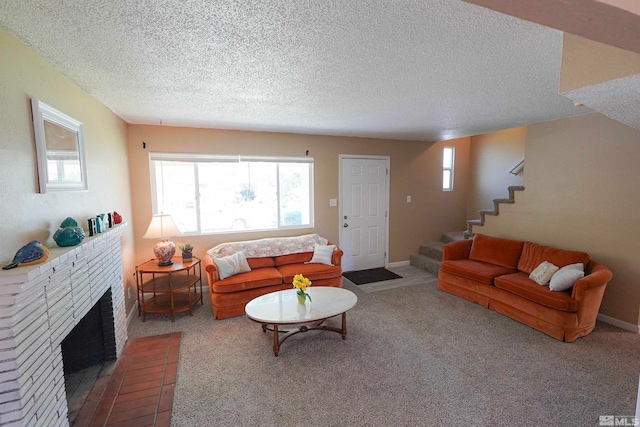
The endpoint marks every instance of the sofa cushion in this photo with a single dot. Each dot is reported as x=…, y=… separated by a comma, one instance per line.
x=310, y=271
x=520, y=284
x=496, y=250
x=475, y=270
x=533, y=254
x=293, y=258
x=257, y=278
x=232, y=303
x=261, y=262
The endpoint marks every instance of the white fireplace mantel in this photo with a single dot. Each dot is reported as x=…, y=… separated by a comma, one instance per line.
x=39, y=306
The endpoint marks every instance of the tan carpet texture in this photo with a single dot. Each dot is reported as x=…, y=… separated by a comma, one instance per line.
x=413, y=356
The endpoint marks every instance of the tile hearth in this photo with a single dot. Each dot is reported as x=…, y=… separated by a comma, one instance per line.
x=139, y=391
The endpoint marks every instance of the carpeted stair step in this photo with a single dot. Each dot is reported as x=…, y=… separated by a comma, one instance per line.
x=474, y=222
x=425, y=263
x=432, y=250
x=452, y=236
x=429, y=257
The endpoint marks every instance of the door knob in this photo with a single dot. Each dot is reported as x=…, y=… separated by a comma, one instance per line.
x=345, y=225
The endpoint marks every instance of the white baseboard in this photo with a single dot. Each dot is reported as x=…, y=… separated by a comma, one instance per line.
x=398, y=264
x=619, y=323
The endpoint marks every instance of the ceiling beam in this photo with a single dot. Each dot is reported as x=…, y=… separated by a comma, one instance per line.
x=613, y=22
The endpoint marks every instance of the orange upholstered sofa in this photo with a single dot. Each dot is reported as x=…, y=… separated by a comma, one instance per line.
x=494, y=272
x=272, y=263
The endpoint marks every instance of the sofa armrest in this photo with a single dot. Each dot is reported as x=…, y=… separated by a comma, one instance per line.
x=460, y=249
x=598, y=277
x=336, y=257
x=211, y=269
x=589, y=290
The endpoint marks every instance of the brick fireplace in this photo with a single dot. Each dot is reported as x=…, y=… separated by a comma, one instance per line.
x=39, y=306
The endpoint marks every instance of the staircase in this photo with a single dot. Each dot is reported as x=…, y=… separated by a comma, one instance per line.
x=429, y=257
x=496, y=210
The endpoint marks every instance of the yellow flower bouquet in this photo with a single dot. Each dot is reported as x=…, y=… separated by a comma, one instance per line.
x=301, y=283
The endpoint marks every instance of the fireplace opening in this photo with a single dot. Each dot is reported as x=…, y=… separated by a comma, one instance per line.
x=88, y=352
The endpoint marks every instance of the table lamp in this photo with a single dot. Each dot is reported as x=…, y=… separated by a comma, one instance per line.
x=162, y=227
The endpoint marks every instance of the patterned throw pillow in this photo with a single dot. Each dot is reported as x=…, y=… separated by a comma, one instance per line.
x=322, y=254
x=543, y=273
x=231, y=265
x=565, y=277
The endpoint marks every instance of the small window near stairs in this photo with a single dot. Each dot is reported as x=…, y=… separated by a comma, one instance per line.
x=448, y=160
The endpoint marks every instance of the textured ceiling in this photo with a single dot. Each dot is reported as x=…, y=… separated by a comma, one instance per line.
x=618, y=99
x=402, y=69
x=612, y=22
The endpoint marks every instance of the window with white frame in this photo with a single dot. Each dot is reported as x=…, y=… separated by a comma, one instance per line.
x=221, y=194
x=448, y=161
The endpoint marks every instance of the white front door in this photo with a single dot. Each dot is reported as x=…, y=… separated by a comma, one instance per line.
x=363, y=212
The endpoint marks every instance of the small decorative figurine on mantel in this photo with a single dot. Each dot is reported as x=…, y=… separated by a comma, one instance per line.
x=69, y=234
x=117, y=218
x=101, y=225
x=33, y=252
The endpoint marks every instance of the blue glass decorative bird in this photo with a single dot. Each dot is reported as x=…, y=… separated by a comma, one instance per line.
x=69, y=234
x=33, y=252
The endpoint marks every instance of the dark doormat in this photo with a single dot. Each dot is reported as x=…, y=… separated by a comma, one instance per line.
x=361, y=277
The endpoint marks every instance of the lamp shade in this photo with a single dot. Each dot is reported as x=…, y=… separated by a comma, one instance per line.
x=161, y=227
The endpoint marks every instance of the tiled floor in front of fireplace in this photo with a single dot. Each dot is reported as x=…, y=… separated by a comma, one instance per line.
x=139, y=391
x=79, y=384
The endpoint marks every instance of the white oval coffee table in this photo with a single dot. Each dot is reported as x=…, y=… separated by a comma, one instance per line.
x=281, y=308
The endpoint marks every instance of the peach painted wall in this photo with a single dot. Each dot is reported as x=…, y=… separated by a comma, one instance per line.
x=581, y=193
x=415, y=170
x=26, y=214
x=492, y=155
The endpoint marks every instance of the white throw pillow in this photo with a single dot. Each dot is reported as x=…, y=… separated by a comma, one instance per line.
x=543, y=273
x=322, y=254
x=565, y=277
x=231, y=265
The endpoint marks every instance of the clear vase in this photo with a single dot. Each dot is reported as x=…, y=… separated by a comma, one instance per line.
x=301, y=298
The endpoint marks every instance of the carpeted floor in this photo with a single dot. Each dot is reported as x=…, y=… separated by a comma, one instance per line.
x=413, y=356
x=362, y=277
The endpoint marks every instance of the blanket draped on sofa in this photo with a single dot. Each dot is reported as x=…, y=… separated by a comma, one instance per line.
x=269, y=247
